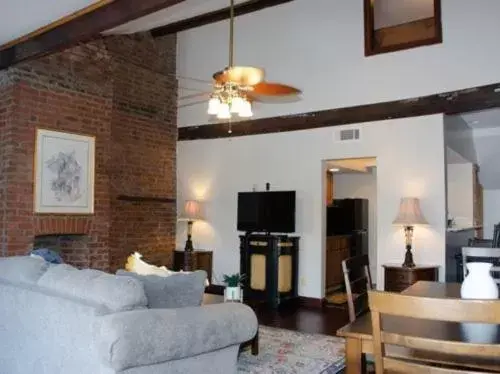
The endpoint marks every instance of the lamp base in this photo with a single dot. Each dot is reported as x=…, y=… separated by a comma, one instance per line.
x=408, y=258
x=189, y=244
x=188, y=247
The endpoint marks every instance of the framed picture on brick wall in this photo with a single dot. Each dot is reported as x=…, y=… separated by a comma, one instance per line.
x=64, y=173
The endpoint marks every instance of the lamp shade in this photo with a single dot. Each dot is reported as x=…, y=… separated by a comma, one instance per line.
x=192, y=211
x=409, y=213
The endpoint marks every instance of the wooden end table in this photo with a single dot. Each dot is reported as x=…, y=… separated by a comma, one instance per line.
x=219, y=299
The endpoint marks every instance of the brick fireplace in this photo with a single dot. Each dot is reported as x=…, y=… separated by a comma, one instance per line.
x=123, y=91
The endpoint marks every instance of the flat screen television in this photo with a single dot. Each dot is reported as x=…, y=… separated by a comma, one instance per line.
x=267, y=211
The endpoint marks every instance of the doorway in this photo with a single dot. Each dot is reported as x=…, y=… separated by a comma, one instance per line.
x=350, y=207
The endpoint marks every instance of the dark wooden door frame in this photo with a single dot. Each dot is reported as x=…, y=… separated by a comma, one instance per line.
x=453, y=102
x=79, y=27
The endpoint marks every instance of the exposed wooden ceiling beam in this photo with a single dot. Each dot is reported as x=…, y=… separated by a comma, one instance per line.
x=79, y=27
x=215, y=16
x=454, y=102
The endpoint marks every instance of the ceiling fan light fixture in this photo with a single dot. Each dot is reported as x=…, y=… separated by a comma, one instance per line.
x=237, y=104
x=224, y=112
x=213, y=106
x=243, y=75
x=246, y=110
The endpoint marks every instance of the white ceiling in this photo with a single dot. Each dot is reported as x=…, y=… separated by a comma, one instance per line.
x=352, y=165
x=16, y=21
x=484, y=119
x=20, y=17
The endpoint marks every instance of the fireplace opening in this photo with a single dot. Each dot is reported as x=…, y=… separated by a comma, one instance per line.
x=73, y=248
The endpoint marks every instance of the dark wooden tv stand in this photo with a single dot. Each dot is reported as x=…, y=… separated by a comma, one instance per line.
x=270, y=263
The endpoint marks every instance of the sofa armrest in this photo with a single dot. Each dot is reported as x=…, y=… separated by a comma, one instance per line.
x=150, y=336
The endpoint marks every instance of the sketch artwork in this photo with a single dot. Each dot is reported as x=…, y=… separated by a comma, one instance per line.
x=67, y=176
x=64, y=173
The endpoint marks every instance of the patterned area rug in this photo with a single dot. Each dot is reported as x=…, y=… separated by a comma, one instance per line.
x=290, y=352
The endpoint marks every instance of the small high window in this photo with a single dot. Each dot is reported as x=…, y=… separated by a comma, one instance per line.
x=393, y=25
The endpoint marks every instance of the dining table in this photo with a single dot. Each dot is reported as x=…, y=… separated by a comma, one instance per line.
x=359, y=338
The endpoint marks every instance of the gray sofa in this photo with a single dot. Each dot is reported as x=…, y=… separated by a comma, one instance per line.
x=56, y=319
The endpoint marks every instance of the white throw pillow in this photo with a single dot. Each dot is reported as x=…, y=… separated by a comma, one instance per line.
x=136, y=265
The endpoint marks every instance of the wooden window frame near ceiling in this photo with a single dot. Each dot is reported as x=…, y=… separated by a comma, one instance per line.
x=369, y=24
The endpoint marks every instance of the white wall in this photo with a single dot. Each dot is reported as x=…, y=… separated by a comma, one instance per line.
x=460, y=138
x=410, y=162
x=491, y=211
x=460, y=195
x=396, y=12
x=318, y=46
x=362, y=186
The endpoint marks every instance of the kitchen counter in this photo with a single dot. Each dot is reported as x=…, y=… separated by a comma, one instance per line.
x=460, y=229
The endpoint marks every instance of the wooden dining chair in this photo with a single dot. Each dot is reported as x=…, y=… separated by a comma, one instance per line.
x=358, y=281
x=496, y=235
x=482, y=254
x=449, y=357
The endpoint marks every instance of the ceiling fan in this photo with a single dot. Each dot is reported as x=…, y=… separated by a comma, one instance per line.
x=236, y=87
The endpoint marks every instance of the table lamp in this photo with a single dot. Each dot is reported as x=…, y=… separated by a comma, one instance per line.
x=191, y=213
x=408, y=216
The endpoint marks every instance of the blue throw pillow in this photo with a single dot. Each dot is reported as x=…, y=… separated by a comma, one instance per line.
x=48, y=255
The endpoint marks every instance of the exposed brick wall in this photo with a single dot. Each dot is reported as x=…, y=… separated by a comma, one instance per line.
x=144, y=138
x=122, y=90
x=6, y=106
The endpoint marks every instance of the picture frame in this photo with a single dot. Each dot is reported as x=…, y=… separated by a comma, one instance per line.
x=64, y=173
x=414, y=32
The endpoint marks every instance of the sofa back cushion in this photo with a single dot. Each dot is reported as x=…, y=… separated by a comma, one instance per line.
x=22, y=269
x=174, y=291
x=114, y=293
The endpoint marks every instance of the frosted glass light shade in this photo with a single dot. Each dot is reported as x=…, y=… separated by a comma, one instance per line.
x=224, y=112
x=246, y=109
x=236, y=104
x=213, y=106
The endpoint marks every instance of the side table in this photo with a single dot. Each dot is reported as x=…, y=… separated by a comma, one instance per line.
x=195, y=260
x=399, y=278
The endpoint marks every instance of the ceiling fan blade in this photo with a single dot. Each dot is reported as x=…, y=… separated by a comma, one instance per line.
x=274, y=89
x=268, y=99
x=193, y=96
x=242, y=75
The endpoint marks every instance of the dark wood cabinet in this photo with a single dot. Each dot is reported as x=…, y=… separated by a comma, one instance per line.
x=398, y=278
x=195, y=260
x=270, y=264
x=338, y=249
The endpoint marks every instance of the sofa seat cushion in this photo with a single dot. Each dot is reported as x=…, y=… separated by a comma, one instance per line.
x=114, y=293
x=148, y=337
x=178, y=290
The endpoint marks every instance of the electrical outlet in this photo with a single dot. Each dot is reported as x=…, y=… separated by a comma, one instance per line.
x=302, y=281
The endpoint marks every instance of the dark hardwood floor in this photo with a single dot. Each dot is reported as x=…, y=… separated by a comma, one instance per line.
x=297, y=317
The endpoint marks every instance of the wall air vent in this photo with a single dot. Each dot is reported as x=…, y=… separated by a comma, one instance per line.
x=347, y=135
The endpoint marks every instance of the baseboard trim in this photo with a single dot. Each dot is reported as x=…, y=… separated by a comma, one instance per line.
x=310, y=302
x=215, y=289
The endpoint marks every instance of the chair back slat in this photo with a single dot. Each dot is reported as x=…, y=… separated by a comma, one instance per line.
x=358, y=281
x=434, y=309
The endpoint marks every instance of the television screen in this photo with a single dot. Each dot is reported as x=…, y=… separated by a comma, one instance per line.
x=269, y=211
